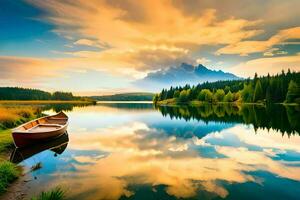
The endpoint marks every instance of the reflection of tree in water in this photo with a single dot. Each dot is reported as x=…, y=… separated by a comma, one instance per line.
x=128, y=106
x=278, y=117
x=63, y=106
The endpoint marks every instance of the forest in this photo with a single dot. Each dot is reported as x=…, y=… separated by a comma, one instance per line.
x=134, y=96
x=280, y=88
x=16, y=93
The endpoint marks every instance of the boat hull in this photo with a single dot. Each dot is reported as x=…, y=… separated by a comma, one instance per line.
x=26, y=139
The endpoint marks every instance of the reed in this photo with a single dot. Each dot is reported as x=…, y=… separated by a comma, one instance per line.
x=36, y=166
x=13, y=116
x=55, y=194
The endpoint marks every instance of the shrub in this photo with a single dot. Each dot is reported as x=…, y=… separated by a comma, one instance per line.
x=229, y=97
x=183, y=96
x=219, y=95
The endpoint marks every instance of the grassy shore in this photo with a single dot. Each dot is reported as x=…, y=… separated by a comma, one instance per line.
x=15, y=115
x=8, y=171
x=9, y=118
x=12, y=114
x=6, y=144
x=43, y=102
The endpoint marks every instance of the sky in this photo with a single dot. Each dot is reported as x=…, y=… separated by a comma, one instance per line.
x=108, y=46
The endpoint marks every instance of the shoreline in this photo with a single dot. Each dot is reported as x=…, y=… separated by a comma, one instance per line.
x=173, y=102
x=17, y=188
x=45, y=102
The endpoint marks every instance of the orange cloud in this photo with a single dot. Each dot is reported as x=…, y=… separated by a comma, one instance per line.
x=246, y=47
x=138, y=32
x=138, y=37
x=25, y=71
x=264, y=66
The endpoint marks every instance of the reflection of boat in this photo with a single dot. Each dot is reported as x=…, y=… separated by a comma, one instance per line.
x=57, y=145
x=41, y=129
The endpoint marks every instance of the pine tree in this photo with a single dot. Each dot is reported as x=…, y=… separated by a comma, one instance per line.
x=247, y=93
x=258, y=92
x=268, y=95
x=255, y=78
x=176, y=94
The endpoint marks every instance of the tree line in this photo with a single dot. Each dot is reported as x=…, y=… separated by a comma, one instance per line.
x=283, y=87
x=16, y=93
x=136, y=96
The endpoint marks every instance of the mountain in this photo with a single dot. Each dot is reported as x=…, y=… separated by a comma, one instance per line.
x=181, y=75
x=134, y=96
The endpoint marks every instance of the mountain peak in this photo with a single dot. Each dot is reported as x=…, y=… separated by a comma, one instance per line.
x=184, y=74
x=201, y=66
x=187, y=67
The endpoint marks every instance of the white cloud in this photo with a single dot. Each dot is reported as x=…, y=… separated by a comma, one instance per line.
x=202, y=61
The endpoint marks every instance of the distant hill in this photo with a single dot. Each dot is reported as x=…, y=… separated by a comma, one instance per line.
x=183, y=74
x=134, y=96
x=16, y=93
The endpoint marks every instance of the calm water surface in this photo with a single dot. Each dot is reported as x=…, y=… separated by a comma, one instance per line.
x=134, y=151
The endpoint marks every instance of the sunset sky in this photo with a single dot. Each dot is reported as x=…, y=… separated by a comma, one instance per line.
x=106, y=46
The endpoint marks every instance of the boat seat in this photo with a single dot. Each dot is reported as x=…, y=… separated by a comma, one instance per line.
x=50, y=125
x=58, y=118
x=55, y=125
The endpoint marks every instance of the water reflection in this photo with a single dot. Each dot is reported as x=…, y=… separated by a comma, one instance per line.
x=128, y=106
x=57, y=145
x=281, y=118
x=141, y=154
x=64, y=106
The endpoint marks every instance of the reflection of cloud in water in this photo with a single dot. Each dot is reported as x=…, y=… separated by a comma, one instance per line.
x=143, y=155
x=189, y=129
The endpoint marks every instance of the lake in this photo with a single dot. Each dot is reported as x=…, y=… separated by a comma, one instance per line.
x=138, y=151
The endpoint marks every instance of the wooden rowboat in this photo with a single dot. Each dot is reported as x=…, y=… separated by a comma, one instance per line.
x=41, y=129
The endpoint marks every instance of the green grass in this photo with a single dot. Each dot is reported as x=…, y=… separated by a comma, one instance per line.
x=10, y=117
x=54, y=194
x=8, y=173
x=6, y=142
